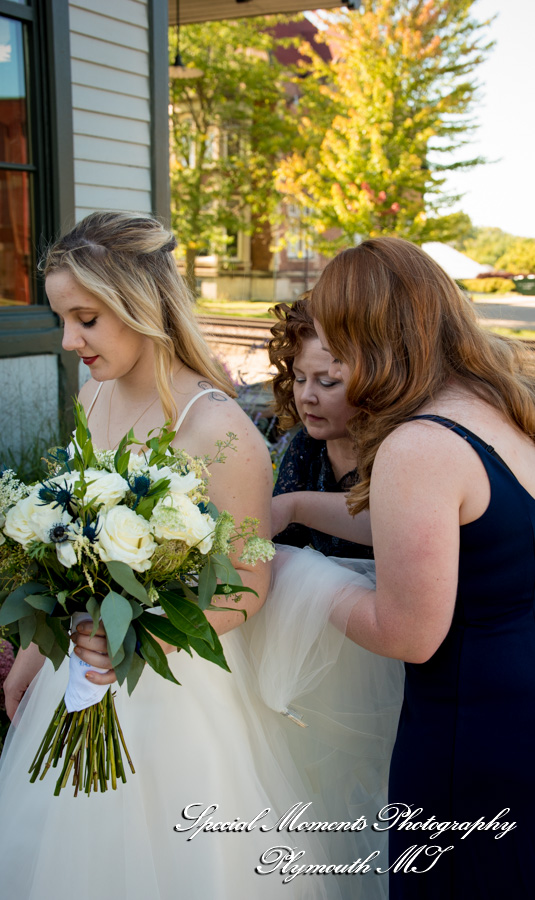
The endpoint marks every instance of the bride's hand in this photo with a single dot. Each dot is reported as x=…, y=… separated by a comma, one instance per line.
x=282, y=512
x=93, y=651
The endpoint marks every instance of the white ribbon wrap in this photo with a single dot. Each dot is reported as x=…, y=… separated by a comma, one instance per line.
x=80, y=693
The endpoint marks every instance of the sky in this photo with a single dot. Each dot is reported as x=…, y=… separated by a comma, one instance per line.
x=502, y=194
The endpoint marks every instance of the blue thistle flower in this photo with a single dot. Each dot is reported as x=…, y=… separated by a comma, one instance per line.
x=62, y=457
x=140, y=486
x=46, y=495
x=59, y=495
x=91, y=530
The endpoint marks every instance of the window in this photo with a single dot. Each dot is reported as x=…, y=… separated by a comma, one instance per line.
x=297, y=239
x=16, y=168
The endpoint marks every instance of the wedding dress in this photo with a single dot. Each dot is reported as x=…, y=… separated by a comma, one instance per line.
x=223, y=748
x=214, y=747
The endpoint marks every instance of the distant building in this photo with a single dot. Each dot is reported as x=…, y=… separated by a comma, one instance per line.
x=456, y=264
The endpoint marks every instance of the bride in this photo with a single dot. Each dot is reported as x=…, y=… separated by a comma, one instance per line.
x=216, y=768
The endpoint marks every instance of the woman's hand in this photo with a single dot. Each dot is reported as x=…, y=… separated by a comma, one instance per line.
x=93, y=651
x=282, y=512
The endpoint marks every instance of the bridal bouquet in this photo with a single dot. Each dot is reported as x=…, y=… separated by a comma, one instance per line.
x=116, y=538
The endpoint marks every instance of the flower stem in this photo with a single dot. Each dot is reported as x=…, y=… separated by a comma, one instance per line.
x=89, y=744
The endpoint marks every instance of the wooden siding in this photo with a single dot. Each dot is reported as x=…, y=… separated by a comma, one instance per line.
x=29, y=408
x=111, y=108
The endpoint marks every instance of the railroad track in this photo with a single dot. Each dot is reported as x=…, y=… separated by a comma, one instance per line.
x=236, y=331
x=253, y=333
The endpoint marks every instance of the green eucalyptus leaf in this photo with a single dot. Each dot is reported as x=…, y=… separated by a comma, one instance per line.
x=124, y=576
x=56, y=655
x=134, y=673
x=15, y=607
x=186, y=616
x=27, y=627
x=42, y=601
x=137, y=609
x=45, y=639
x=162, y=628
x=93, y=608
x=116, y=615
x=59, y=628
x=118, y=658
x=62, y=598
x=129, y=645
x=154, y=655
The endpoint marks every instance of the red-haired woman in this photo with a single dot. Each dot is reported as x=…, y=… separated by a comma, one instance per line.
x=452, y=509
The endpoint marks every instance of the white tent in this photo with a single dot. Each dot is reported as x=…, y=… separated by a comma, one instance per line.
x=456, y=264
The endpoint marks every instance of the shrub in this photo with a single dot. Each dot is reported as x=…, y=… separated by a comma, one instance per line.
x=489, y=285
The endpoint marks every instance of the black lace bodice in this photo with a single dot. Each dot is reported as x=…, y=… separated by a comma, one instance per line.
x=306, y=467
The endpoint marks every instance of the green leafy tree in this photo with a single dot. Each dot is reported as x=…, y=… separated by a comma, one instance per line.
x=519, y=258
x=228, y=129
x=380, y=118
x=486, y=245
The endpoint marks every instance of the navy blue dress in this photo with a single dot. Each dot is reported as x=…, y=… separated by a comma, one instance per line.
x=465, y=748
x=306, y=467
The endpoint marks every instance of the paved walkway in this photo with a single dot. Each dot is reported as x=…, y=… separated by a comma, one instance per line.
x=516, y=311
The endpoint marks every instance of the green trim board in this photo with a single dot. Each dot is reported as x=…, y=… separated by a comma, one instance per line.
x=159, y=108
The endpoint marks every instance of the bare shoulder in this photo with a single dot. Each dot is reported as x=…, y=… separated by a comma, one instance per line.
x=212, y=418
x=426, y=451
x=419, y=439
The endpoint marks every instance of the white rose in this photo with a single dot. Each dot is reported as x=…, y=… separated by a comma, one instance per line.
x=136, y=462
x=177, y=518
x=179, y=484
x=107, y=488
x=126, y=537
x=30, y=520
x=68, y=479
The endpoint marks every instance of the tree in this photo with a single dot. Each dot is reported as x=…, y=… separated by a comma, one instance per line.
x=228, y=129
x=380, y=118
x=519, y=258
x=486, y=245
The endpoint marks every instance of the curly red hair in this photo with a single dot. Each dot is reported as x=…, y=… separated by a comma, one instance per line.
x=294, y=326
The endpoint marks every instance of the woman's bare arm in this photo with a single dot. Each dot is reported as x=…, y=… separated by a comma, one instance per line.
x=321, y=511
x=419, y=484
x=26, y=666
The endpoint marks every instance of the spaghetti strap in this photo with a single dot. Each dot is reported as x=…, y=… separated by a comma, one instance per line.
x=188, y=405
x=91, y=405
x=466, y=433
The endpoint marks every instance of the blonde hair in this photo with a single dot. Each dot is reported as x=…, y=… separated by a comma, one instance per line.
x=126, y=261
x=405, y=328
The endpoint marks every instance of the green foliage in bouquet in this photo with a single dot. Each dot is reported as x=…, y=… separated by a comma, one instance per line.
x=112, y=536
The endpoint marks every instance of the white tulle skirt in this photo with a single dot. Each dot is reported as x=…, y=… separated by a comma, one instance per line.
x=222, y=749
